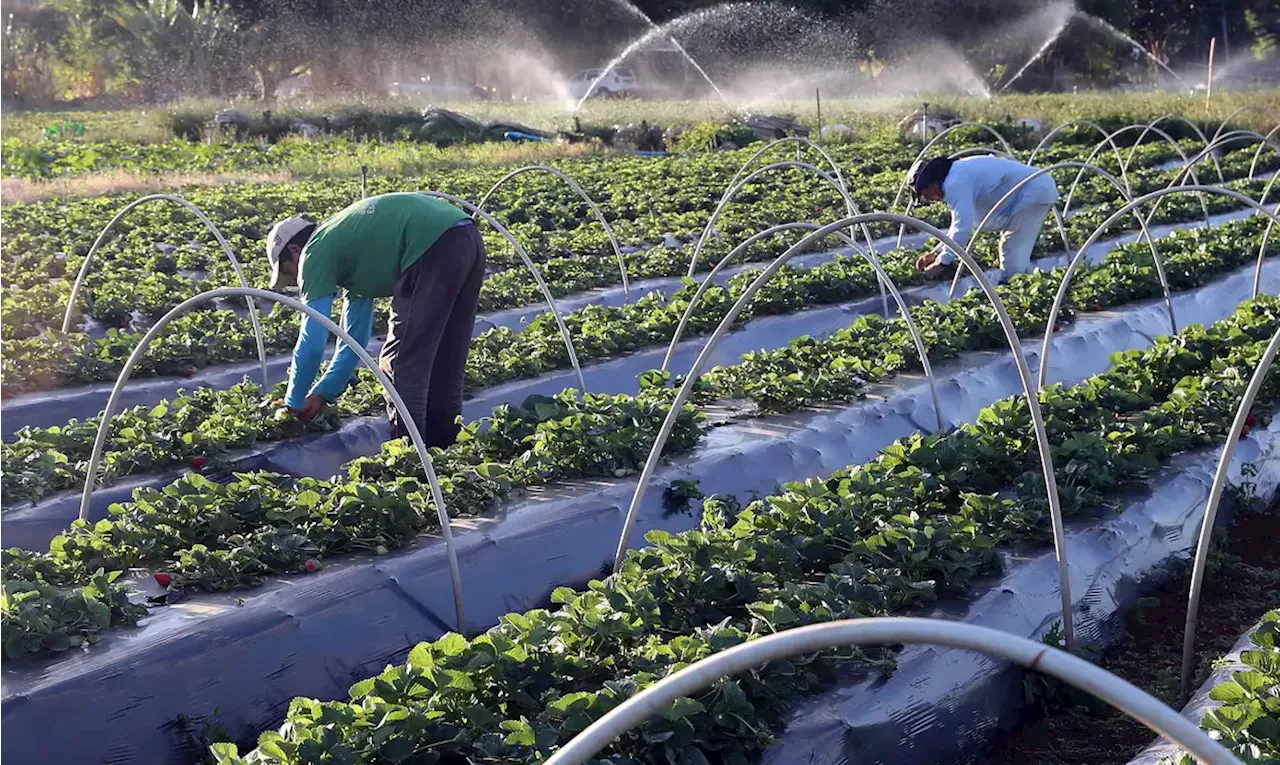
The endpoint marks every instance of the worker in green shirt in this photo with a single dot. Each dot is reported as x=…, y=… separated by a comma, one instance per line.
x=424, y=254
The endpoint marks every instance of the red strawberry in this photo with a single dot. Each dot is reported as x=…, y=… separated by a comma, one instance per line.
x=163, y=578
x=1097, y=308
x=124, y=324
x=188, y=372
x=1251, y=421
x=197, y=461
x=313, y=565
x=1057, y=327
x=1244, y=431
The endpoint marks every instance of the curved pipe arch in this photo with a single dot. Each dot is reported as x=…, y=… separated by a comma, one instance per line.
x=875, y=265
x=1106, y=138
x=1186, y=165
x=1097, y=233
x=1234, y=136
x=1195, y=128
x=1030, y=654
x=850, y=206
x=835, y=168
x=226, y=248
x=1146, y=232
x=533, y=269
x=1250, y=108
x=1006, y=324
x=582, y=194
x=1266, y=236
x=1257, y=154
x=113, y=403
x=1211, y=509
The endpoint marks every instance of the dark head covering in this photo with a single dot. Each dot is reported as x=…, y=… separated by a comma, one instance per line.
x=929, y=173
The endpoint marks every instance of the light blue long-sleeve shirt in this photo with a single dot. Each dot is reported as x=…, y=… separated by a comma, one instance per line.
x=308, y=352
x=975, y=185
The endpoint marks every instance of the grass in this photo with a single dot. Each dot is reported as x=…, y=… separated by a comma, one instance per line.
x=20, y=191
x=868, y=116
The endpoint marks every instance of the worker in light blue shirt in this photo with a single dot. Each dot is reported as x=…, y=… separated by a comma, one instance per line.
x=971, y=187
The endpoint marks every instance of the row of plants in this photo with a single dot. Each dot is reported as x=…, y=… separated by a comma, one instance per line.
x=207, y=425
x=31, y=250
x=48, y=158
x=474, y=474
x=1247, y=718
x=54, y=359
x=920, y=522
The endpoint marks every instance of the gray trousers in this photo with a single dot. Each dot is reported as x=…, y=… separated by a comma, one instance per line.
x=433, y=311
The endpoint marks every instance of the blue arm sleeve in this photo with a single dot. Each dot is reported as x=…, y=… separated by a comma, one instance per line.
x=308, y=353
x=357, y=320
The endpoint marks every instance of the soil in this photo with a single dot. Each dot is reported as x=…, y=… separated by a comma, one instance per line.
x=1241, y=584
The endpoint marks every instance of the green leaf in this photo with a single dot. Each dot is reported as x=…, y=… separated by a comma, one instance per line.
x=421, y=657
x=1229, y=692
x=452, y=644
x=682, y=708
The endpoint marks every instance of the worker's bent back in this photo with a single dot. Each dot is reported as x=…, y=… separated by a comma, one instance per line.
x=366, y=247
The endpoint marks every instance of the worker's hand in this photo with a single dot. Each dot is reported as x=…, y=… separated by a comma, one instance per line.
x=312, y=407
x=924, y=261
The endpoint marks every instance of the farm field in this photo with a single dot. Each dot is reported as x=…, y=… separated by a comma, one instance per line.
x=280, y=589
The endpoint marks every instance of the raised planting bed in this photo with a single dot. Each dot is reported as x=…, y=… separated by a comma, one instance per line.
x=33, y=365
x=1236, y=704
x=1067, y=726
x=861, y=542
x=313, y=635
x=42, y=463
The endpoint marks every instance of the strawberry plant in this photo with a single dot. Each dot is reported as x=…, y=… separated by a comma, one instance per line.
x=921, y=520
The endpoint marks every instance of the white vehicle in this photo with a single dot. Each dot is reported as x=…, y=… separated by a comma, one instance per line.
x=616, y=82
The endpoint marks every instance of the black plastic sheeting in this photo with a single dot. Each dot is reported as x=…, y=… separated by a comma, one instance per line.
x=945, y=705
x=81, y=402
x=32, y=525
x=1200, y=703
x=246, y=654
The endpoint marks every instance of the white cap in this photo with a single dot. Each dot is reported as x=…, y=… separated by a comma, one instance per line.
x=281, y=234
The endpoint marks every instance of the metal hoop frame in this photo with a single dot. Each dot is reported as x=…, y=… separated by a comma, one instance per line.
x=734, y=188
x=529, y=264
x=1257, y=153
x=740, y=183
x=1029, y=654
x=1106, y=137
x=226, y=248
x=1263, y=141
x=1146, y=232
x=1250, y=108
x=1266, y=236
x=802, y=141
x=1006, y=324
x=1134, y=149
x=113, y=403
x=1097, y=233
x=1211, y=509
x=875, y=265
x=577, y=189
x=1186, y=164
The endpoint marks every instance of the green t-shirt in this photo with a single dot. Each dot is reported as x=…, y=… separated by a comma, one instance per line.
x=366, y=247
